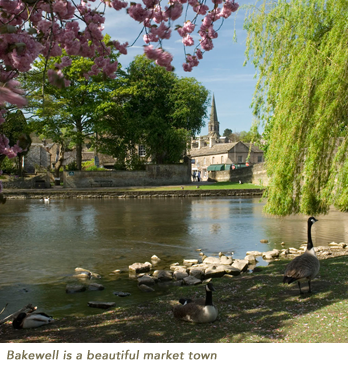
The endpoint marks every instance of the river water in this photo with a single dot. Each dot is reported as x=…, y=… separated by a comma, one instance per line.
x=41, y=244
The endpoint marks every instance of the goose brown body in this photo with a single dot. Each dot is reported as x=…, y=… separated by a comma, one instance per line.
x=197, y=311
x=305, y=266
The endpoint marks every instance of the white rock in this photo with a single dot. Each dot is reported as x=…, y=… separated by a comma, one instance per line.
x=226, y=260
x=215, y=271
x=254, y=253
x=211, y=260
x=140, y=267
x=190, y=262
x=251, y=259
x=179, y=275
x=242, y=265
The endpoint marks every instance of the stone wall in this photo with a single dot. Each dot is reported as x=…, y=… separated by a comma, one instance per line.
x=154, y=175
x=255, y=174
x=39, y=181
x=260, y=175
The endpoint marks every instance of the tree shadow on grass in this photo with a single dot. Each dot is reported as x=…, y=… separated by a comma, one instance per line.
x=252, y=308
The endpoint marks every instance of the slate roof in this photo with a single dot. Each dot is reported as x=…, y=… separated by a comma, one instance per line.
x=216, y=149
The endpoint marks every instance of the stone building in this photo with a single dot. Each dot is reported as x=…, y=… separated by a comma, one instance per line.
x=215, y=153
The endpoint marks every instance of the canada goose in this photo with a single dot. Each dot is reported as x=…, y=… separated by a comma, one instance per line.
x=197, y=311
x=24, y=320
x=305, y=266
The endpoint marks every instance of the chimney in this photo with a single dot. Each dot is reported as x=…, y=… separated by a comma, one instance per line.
x=211, y=141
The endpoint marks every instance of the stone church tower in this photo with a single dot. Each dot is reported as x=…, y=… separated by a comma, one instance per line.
x=214, y=125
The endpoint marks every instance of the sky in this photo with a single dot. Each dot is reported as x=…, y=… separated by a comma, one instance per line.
x=220, y=71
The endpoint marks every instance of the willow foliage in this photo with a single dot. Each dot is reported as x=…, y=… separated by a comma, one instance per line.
x=300, y=50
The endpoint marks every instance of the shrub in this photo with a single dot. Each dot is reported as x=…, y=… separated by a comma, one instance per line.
x=9, y=166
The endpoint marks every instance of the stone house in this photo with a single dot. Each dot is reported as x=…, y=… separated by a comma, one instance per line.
x=214, y=153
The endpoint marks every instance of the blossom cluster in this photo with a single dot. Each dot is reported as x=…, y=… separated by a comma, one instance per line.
x=30, y=28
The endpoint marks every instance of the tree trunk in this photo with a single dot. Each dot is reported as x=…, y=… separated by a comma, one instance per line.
x=79, y=156
x=59, y=162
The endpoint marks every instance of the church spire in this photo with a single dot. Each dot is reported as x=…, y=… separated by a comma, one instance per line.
x=214, y=126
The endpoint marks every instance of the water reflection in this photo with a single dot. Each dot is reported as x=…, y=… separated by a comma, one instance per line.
x=41, y=244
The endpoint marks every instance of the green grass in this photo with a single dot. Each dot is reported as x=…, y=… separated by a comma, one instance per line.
x=252, y=308
x=193, y=187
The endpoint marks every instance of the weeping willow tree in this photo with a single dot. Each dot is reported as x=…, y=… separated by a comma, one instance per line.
x=300, y=51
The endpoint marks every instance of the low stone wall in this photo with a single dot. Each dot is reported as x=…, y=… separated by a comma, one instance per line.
x=39, y=181
x=119, y=194
x=154, y=175
x=255, y=174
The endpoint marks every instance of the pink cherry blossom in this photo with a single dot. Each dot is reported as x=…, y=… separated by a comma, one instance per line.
x=33, y=28
x=188, y=40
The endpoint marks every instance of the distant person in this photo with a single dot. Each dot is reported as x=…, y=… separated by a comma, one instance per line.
x=240, y=182
x=198, y=176
x=193, y=176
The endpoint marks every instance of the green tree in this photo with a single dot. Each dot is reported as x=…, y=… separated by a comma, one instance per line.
x=299, y=48
x=67, y=114
x=227, y=132
x=16, y=129
x=153, y=108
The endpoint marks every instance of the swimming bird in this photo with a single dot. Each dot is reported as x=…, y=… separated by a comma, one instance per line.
x=46, y=200
x=26, y=320
x=197, y=311
x=305, y=266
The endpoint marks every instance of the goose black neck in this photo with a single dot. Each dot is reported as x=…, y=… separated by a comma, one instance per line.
x=209, y=298
x=309, y=236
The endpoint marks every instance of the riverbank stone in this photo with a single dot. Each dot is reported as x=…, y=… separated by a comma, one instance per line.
x=214, y=271
x=251, y=259
x=192, y=281
x=145, y=288
x=226, y=260
x=146, y=279
x=197, y=271
x=95, y=287
x=121, y=294
x=242, y=265
x=254, y=253
x=189, y=262
x=83, y=270
x=211, y=260
x=75, y=288
x=101, y=305
x=163, y=275
x=140, y=267
x=180, y=274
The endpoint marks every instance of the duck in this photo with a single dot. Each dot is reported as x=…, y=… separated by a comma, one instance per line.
x=27, y=320
x=46, y=200
x=305, y=266
x=197, y=311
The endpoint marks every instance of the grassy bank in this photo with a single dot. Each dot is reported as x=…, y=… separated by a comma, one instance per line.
x=252, y=308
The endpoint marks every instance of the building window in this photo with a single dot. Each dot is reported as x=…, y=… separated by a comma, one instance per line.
x=204, y=161
x=142, y=151
x=240, y=159
x=222, y=159
x=213, y=160
x=259, y=159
